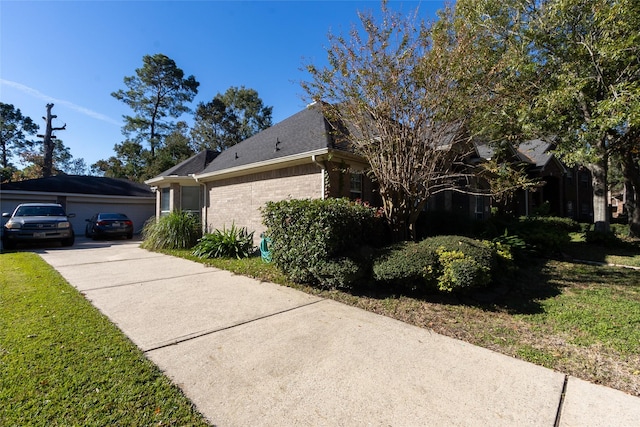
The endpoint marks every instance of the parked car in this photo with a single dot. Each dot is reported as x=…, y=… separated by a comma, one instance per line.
x=108, y=224
x=37, y=222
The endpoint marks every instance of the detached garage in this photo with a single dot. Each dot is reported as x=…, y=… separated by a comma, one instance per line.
x=83, y=196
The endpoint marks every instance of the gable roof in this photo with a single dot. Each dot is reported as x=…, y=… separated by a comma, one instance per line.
x=194, y=164
x=304, y=132
x=76, y=184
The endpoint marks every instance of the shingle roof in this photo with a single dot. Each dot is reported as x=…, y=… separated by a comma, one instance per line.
x=194, y=164
x=75, y=184
x=305, y=131
x=535, y=151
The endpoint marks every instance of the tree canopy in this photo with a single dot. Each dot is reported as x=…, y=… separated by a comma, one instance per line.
x=15, y=128
x=156, y=93
x=229, y=118
x=406, y=90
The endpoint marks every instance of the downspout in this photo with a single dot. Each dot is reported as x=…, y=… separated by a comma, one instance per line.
x=204, y=202
x=314, y=160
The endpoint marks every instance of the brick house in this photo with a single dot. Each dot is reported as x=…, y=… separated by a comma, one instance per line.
x=301, y=158
x=298, y=158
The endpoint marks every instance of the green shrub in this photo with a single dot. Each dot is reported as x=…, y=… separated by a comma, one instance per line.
x=462, y=263
x=307, y=234
x=234, y=242
x=337, y=273
x=459, y=271
x=545, y=234
x=178, y=230
x=405, y=266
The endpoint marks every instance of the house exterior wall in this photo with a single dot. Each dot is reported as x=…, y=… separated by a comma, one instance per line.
x=238, y=200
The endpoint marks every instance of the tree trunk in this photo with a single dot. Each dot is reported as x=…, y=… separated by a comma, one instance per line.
x=47, y=164
x=600, y=195
x=631, y=173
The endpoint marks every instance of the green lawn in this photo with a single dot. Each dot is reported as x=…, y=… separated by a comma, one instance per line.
x=63, y=363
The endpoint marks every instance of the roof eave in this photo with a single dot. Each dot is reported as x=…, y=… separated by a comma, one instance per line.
x=279, y=163
x=171, y=179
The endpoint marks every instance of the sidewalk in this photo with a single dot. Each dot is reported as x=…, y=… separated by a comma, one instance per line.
x=251, y=353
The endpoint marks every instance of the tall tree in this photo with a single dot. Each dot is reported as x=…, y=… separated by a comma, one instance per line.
x=158, y=91
x=48, y=142
x=229, y=118
x=129, y=162
x=34, y=157
x=176, y=148
x=588, y=97
x=406, y=89
x=14, y=130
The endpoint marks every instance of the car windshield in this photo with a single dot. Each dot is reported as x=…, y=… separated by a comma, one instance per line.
x=39, y=211
x=113, y=216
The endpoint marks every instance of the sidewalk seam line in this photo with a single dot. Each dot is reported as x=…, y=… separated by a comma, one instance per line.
x=106, y=261
x=213, y=331
x=147, y=281
x=561, y=403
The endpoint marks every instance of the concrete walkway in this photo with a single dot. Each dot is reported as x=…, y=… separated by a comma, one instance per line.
x=250, y=353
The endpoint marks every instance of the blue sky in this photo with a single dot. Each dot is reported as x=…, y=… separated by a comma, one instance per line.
x=76, y=53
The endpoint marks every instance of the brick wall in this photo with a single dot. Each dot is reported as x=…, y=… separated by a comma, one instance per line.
x=238, y=200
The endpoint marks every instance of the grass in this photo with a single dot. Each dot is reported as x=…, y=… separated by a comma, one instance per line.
x=582, y=320
x=64, y=363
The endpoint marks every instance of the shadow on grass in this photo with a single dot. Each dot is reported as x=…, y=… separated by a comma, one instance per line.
x=519, y=293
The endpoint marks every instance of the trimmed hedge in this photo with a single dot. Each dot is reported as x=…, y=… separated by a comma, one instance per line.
x=545, y=234
x=406, y=266
x=314, y=241
x=446, y=263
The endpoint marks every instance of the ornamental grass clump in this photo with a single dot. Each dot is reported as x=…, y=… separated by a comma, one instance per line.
x=235, y=242
x=178, y=230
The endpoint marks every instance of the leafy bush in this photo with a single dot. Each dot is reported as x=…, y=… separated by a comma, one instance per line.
x=405, y=265
x=337, y=273
x=307, y=236
x=463, y=263
x=544, y=234
x=178, y=230
x=234, y=242
x=458, y=271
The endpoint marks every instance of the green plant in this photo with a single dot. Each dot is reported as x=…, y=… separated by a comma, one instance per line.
x=234, y=242
x=307, y=234
x=459, y=271
x=405, y=265
x=62, y=362
x=178, y=230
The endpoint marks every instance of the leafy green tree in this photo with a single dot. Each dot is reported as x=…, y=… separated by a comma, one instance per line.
x=406, y=89
x=229, y=118
x=14, y=130
x=176, y=148
x=129, y=162
x=157, y=92
x=34, y=159
x=587, y=93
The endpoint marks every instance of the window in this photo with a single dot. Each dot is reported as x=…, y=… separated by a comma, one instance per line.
x=191, y=200
x=479, y=210
x=355, y=186
x=165, y=206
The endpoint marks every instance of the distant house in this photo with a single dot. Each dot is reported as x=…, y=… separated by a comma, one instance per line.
x=564, y=191
x=83, y=196
x=298, y=158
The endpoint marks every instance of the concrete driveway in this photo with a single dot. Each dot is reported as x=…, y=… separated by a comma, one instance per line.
x=254, y=353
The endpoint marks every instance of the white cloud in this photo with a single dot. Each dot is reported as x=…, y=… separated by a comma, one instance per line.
x=37, y=94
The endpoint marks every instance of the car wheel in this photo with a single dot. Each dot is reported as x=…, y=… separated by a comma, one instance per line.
x=68, y=242
x=8, y=244
x=130, y=236
x=86, y=233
